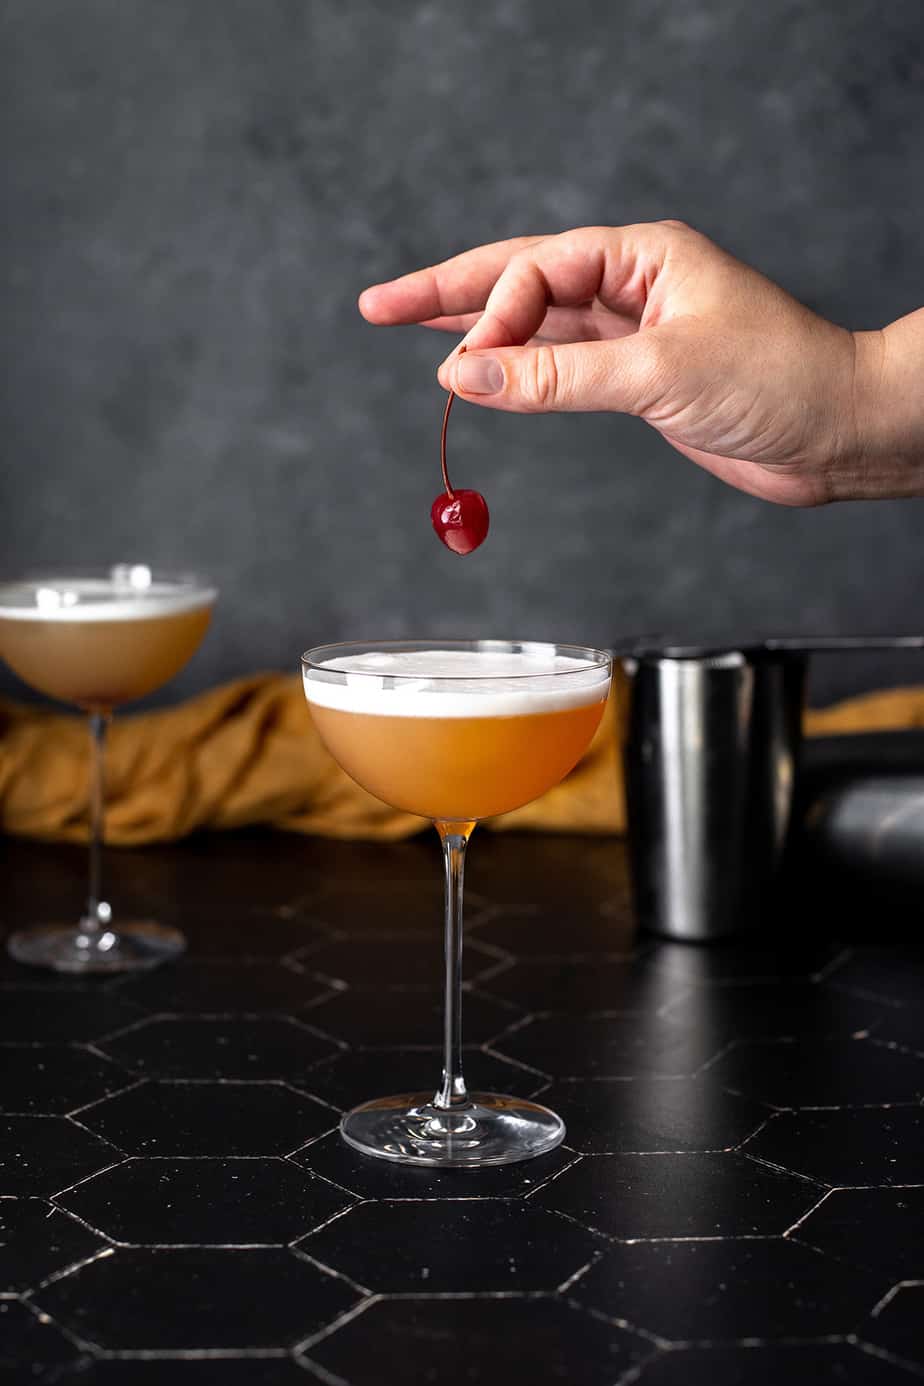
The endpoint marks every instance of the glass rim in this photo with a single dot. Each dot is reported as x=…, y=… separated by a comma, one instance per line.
x=315, y=660
x=186, y=580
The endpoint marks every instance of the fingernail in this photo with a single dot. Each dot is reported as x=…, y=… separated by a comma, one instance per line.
x=479, y=375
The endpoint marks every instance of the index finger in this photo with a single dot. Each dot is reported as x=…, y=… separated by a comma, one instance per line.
x=459, y=285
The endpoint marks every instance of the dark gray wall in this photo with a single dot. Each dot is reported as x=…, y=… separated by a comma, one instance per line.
x=196, y=190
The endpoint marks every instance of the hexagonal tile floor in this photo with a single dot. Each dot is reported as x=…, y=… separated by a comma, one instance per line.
x=738, y=1198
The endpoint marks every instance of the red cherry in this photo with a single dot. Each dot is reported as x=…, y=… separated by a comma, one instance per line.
x=461, y=520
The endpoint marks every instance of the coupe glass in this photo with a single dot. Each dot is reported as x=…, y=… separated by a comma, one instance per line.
x=455, y=732
x=100, y=638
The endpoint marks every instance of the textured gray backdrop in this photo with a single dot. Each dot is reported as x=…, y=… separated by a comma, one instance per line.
x=196, y=190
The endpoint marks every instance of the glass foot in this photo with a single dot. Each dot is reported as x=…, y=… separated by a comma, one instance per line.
x=491, y=1130
x=132, y=947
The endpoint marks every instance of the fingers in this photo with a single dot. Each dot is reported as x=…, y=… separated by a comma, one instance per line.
x=618, y=266
x=588, y=324
x=459, y=285
x=631, y=375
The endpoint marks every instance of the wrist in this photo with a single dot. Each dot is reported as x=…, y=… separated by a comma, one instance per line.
x=888, y=412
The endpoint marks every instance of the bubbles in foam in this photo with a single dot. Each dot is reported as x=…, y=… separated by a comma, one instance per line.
x=456, y=683
x=131, y=595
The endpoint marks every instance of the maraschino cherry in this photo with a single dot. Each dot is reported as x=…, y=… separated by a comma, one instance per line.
x=460, y=518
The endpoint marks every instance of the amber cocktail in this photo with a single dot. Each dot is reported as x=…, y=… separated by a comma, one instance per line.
x=455, y=732
x=99, y=640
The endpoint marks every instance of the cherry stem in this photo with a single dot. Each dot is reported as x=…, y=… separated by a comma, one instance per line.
x=446, y=412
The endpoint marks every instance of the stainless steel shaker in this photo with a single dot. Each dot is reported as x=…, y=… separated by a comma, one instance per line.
x=711, y=759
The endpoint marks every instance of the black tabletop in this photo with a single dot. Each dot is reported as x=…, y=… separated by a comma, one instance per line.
x=740, y=1196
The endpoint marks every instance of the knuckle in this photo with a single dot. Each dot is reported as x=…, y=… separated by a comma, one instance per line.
x=676, y=225
x=542, y=380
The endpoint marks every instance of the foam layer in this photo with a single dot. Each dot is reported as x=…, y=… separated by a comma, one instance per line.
x=127, y=598
x=477, y=683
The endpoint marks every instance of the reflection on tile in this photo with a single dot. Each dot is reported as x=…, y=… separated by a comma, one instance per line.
x=478, y=1341
x=40, y=1155
x=204, y=1202
x=777, y=1010
x=271, y=1047
x=865, y=1145
x=820, y=1073
x=213, y=988
x=608, y=1046
x=36, y=1241
x=55, y=1078
x=349, y=1079
x=646, y=1114
x=882, y=1229
x=752, y=959
x=679, y=1196
x=374, y=1019
x=712, y=1290
x=829, y=1364
x=201, y=1118
x=37, y=1016
x=541, y=933
x=896, y=1326
x=171, y=1300
x=26, y=1341
x=433, y=1248
x=578, y=985
x=892, y=974
x=335, y=1160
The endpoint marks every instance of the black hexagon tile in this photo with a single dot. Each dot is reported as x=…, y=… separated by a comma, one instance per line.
x=349, y=1079
x=690, y=1195
x=262, y=1370
x=193, y=1047
x=755, y=959
x=36, y=1240
x=733, y=1288
x=35, y=1016
x=651, y=1114
x=494, y=1245
x=153, y=1300
x=56, y=1078
x=534, y=933
x=882, y=1229
x=201, y=1118
x=576, y=985
x=820, y=1073
x=848, y=1145
x=28, y=1340
x=480, y=1342
x=607, y=1046
x=42, y=1154
x=363, y=903
x=204, y=1202
x=895, y=1325
x=383, y=1018
x=823, y=1364
x=332, y=1158
x=179, y=1371
x=893, y=974
x=405, y=959
x=777, y=1010
x=216, y=988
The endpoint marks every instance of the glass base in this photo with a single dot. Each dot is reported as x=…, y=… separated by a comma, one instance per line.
x=133, y=947
x=491, y=1130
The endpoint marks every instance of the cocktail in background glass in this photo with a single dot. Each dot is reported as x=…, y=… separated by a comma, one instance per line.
x=98, y=639
x=455, y=732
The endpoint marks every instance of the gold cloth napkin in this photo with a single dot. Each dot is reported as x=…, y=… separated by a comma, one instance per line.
x=248, y=753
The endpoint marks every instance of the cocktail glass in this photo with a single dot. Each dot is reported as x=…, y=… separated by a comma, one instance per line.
x=98, y=639
x=455, y=732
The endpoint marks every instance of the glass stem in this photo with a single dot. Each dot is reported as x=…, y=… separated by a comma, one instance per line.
x=98, y=913
x=452, y=1091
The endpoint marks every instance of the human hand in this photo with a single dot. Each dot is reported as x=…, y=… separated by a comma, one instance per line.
x=656, y=320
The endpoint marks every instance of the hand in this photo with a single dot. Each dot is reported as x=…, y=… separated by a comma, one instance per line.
x=655, y=320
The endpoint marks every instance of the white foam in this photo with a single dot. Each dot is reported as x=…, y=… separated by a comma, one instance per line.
x=127, y=597
x=456, y=683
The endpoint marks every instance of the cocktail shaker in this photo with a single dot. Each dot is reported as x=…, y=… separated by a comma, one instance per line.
x=711, y=758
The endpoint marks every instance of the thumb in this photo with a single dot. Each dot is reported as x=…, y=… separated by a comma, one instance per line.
x=627, y=376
